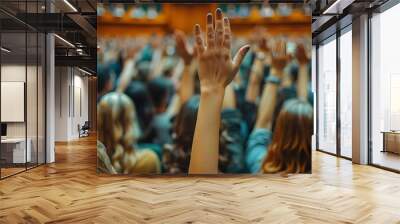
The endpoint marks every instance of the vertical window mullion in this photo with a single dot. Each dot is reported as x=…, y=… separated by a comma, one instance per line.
x=26, y=85
x=317, y=96
x=338, y=98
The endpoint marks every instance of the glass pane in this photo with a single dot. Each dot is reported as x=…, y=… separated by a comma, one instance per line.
x=385, y=85
x=327, y=97
x=32, y=85
x=31, y=97
x=41, y=98
x=346, y=94
x=23, y=85
x=13, y=86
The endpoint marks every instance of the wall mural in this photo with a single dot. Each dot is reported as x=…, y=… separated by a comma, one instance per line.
x=204, y=89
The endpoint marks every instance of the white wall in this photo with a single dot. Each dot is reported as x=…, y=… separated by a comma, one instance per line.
x=61, y=103
x=71, y=93
x=15, y=73
x=33, y=127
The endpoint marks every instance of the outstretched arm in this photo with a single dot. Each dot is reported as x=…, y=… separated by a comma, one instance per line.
x=302, y=81
x=129, y=70
x=256, y=75
x=216, y=71
x=263, y=57
x=268, y=99
x=186, y=86
x=127, y=74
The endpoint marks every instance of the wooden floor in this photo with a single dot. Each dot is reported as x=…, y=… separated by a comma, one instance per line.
x=5, y=172
x=70, y=191
x=387, y=159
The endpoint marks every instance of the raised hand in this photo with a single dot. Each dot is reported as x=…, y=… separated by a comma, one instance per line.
x=302, y=81
x=216, y=67
x=260, y=39
x=216, y=71
x=182, y=48
x=301, y=55
x=280, y=57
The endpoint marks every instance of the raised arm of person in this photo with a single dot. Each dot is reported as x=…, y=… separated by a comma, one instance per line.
x=156, y=65
x=302, y=80
x=268, y=99
x=216, y=71
x=256, y=74
x=229, y=97
x=262, y=58
x=129, y=70
x=186, y=86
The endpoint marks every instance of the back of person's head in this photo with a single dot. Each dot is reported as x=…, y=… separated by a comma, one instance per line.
x=143, y=70
x=290, y=149
x=294, y=72
x=115, y=117
x=183, y=132
x=168, y=64
x=159, y=90
x=105, y=78
x=140, y=96
x=185, y=123
x=284, y=94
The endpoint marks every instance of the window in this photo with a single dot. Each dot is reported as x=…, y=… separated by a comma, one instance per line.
x=346, y=93
x=327, y=96
x=22, y=101
x=385, y=89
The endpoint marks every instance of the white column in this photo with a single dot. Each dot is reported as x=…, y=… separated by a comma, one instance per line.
x=314, y=91
x=50, y=99
x=360, y=90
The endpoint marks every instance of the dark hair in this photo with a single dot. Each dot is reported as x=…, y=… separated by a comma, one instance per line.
x=159, y=89
x=143, y=70
x=294, y=72
x=183, y=132
x=138, y=93
x=115, y=68
x=290, y=149
x=284, y=94
x=185, y=123
x=104, y=75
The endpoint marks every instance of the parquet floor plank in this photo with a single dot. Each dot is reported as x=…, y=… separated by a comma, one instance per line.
x=70, y=191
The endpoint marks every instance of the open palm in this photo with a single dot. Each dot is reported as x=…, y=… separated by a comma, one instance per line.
x=216, y=67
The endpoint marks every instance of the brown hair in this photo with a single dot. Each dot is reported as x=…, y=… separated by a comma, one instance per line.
x=290, y=149
x=115, y=117
x=183, y=132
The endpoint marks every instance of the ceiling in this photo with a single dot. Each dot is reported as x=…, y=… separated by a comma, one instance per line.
x=331, y=15
x=72, y=20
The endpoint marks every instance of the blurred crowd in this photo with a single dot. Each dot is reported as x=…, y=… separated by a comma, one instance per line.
x=149, y=92
x=152, y=11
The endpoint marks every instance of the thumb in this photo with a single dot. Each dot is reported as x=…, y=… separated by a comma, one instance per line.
x=237, y=60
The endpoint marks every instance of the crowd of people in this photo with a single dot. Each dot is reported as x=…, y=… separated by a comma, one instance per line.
x=205, y=103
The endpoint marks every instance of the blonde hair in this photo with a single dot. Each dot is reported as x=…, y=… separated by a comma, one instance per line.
x=115, y=117
x=290, y=149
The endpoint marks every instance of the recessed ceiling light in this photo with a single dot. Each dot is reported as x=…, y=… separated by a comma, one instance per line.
x=70, y=5
x=5, y=50
x=338, y=6
x=84, y=71
x=65, y=41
